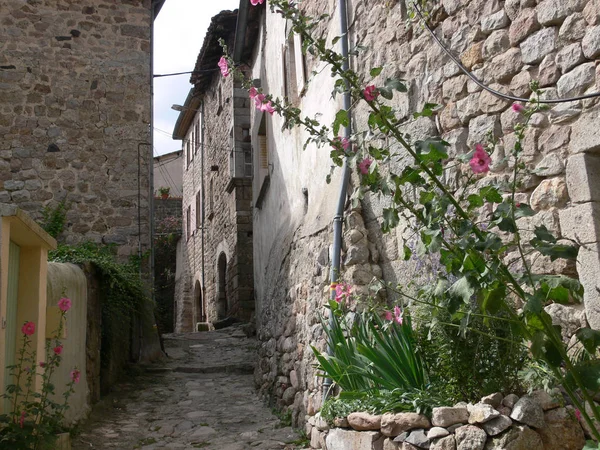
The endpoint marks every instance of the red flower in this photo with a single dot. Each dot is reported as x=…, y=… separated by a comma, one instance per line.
x=480, y=163
x=64, y=304
x=42, y=364
x=28, y=329
x=256, y=2
x=58, y=349
x=370, y=93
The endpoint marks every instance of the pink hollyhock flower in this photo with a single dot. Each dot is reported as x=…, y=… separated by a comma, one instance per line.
x=480, y=162
x=252, y=92
x=398, y=315
x=267, y=107
x=58, y=349
x=342, y=291
x=75, y=375
x=22, y=419
x=224, y=66
x=389, y=316
x=64, y=304
x=343, y=143
x=517, y=107
x=256, y=2
x=258, y=100
x=370, y=93
x=28, y=329
x=42, y=364
x=578, y=414
x=364, y=165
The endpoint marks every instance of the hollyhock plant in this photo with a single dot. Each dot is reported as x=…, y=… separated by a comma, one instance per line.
x=364, y=165
x=58, y=349
x=480, y=162
x=64, y=304
x=370, y=93
x=28, y=329
x=224, y=66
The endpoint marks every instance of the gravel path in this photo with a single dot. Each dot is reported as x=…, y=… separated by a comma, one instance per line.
x=203, y=397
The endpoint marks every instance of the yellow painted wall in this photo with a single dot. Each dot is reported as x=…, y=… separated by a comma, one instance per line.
x=18, y=227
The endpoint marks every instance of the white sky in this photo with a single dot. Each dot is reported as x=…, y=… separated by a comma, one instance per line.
x=179, y=33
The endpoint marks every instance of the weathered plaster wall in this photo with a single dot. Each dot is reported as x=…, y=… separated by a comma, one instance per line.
x=506, y=44
x=75, y=114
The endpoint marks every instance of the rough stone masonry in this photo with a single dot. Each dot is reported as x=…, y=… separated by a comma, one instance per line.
x=506, y=44
x=75, y=114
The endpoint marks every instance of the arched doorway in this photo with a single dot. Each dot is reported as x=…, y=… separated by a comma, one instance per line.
x=199, y=305
x=222, y=284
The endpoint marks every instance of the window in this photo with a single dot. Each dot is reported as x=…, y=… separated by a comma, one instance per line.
x=192, y=140
x=188, y=221
x=261, y=167
x=198, y=210
x=198, y=134
x=187, y=153
x=293, y=74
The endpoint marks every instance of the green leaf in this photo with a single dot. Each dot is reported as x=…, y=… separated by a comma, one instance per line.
x=475, y=201
x=390, y=219
x=589, y=338
x=494, y=300
x=555, y=251
x=491, y=194
x=376, y=71
x=461, y=289
x=335, y=40
x=426, y=112
x=386, y=92
x=395, y=84
x=523, y=210
x=542, y=234
x=589, y=374
x=407, y=253
x=341, y=119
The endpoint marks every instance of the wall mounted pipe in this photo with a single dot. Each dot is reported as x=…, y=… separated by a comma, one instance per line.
x=338, y=220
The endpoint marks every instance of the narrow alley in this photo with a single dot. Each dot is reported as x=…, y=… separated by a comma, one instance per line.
x=203, y=397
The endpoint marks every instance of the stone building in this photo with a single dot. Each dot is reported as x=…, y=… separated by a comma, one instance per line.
x=506, y=44
x=168, y=172
x=75, y=113
x=215, y=274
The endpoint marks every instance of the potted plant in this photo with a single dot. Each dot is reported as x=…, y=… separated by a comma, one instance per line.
x=164, y=192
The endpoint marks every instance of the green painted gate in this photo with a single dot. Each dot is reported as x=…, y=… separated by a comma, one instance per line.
x=14, y=253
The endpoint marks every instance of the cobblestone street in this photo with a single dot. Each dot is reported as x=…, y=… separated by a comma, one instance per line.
x=203, y=397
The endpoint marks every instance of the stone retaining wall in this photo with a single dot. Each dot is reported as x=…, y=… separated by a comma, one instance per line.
x=539, y=421
x=506, y=44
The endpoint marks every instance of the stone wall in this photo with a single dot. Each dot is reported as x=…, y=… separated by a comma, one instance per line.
x=538, y=421
x=505, y=44
x=75, y=112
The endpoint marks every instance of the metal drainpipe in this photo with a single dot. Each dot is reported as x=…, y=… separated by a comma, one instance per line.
x=204, y=317
x=338, y=220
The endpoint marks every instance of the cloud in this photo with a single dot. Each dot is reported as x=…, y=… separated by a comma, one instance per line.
x=178, y=36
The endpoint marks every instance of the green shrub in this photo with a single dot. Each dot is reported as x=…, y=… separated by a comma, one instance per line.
x=467, y=356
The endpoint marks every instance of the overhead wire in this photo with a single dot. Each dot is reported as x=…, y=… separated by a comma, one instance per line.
x=487, y=88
